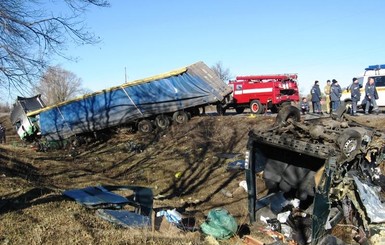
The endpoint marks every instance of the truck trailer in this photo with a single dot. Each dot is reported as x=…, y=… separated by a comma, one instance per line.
x=145, y=103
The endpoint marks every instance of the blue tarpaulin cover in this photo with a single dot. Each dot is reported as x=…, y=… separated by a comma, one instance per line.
x=191, y=86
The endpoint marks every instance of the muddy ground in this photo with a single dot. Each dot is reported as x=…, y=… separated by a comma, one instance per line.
x=186, y=167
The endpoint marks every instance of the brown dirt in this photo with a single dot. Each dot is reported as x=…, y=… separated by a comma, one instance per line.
x=33, y=210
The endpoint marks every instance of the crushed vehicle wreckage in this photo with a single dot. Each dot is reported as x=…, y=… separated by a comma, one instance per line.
x=331, y=165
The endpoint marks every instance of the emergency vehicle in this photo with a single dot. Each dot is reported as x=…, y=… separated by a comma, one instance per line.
x=373, y=71
x=261, y=92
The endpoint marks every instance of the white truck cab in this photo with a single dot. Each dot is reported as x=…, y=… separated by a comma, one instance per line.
x=374, y=71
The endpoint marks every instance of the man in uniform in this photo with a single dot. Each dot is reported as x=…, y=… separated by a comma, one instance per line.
x=327, y=95
x=316, y=98
x=335, y=95
x=371, y=96
x=355, y=95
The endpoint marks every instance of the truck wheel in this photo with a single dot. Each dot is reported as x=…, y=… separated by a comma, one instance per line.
x=145, y=126
x=349, y=142
x=274, y=109
x=287, y=112
x=180, y=117
x=195, y=112
x=240, y=110
x=162, y=121
x=256, y=107
x=286, y=103
x=220, y=110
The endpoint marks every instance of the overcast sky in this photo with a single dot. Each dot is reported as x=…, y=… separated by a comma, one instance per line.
x=319, y=40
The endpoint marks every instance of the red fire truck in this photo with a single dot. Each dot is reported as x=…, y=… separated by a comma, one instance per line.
x=261, y=92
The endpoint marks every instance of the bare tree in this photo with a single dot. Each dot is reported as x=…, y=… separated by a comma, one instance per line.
x=222, y=73
x=30, y=32
x=58, y=85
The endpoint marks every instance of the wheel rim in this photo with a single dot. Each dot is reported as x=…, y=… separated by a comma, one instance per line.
x=180, y=117
x=145, y=126
x=255, y=107
x=162, y=121
x=350, y=146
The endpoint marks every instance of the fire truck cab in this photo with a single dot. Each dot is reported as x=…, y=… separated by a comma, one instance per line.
x=261, y=92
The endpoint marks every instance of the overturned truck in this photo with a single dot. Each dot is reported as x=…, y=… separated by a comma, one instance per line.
x=329, y=166
x=147, y=103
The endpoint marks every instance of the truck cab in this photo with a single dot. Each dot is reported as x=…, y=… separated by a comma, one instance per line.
x=373, y=71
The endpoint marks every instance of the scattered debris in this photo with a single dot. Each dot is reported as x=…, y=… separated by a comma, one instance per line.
x=249, y=240
x=226, y=193
x=243, y=184
x=178, y=175
x=219, y=224
x=103, y=198
x=132, y=146
x=236, y=165
x=172, y=216
x=124, y=218
x=176, y=219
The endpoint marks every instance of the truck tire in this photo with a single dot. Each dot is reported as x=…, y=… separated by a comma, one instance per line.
x=195, y=112
x=145, y=126
x=221, y=110
x=239, y=110
x=349, y=142
x=180, y=117
x=274, y=109
x=162, y=121
x=287, y=112
x=256, y=107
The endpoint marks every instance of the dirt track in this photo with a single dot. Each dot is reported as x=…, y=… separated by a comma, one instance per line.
x=185, y=167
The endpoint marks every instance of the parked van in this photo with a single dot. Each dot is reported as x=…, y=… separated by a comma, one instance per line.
x=374, y=71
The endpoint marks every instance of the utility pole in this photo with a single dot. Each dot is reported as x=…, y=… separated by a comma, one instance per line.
x=125, y=75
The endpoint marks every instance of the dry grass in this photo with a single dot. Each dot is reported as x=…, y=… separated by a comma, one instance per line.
x=31, y=183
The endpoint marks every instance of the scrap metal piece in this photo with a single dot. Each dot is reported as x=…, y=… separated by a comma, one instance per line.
x=124, y=218
x=374, y=208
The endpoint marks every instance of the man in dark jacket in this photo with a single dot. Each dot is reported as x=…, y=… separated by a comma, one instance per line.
x=355, y=95
x=2, y=134
x=335, y=95
x=304, y=106
x=316, y=98
x=371, y=96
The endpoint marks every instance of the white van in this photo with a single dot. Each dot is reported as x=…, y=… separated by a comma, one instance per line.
x=374, y=71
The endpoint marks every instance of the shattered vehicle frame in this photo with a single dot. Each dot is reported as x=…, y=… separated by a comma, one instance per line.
x=331, y=165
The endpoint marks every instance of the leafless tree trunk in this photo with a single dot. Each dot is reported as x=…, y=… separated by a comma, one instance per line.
x=222, y=73
x=58, y=85
x=29, y=34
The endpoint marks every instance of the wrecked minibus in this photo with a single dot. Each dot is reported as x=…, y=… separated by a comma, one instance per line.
x=329, y=165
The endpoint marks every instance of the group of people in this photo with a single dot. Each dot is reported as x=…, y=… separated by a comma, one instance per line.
x=333, y=94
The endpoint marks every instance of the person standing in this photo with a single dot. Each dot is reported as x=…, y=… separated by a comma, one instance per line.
x=335, y=95
x=316, y=98
x=355, y=95
x=371, y=96
x=327, y=95
x=2, y=134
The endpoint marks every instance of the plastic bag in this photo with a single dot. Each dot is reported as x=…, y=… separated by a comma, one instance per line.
x=219, y=224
